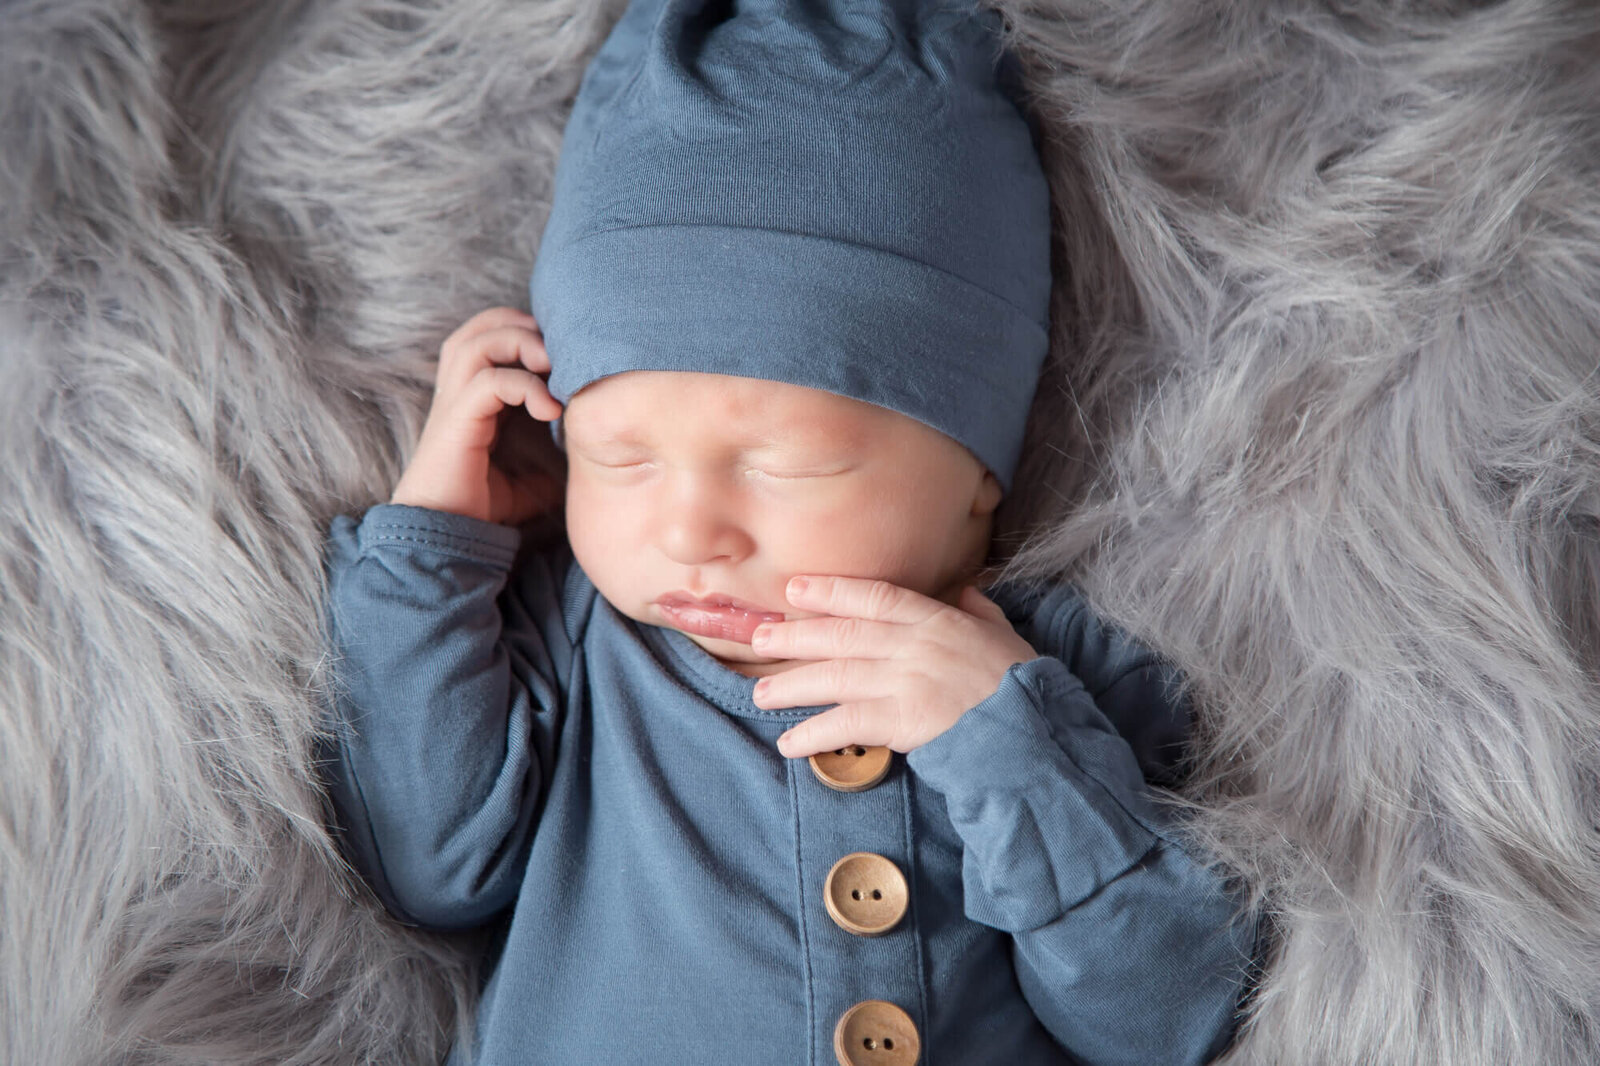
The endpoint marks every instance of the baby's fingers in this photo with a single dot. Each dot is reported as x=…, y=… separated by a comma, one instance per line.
x=510, y=344
x=817, y=684
x=493, y=318
x=471, y=417
x=870, y=723
x=495, y=388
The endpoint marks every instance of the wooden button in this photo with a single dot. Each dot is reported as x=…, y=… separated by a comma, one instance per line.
x=875, y=1032
x=865, y=894
x=852, y=769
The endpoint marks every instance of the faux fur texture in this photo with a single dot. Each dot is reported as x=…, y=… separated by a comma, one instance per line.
x=1321, y=424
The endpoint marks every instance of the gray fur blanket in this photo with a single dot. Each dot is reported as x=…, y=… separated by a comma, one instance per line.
x=1322, y=424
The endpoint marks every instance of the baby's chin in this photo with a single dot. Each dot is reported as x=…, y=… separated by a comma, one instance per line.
x=740, y=657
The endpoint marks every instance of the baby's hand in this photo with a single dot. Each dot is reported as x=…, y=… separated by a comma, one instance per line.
x=901, y=666
x=489, y=364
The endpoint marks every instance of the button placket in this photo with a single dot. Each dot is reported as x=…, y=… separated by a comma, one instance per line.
x=856, y=841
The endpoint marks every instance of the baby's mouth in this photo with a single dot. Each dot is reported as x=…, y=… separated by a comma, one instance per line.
x=721, y=617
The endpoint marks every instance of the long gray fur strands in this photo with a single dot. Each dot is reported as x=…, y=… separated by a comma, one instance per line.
x=1321, y=424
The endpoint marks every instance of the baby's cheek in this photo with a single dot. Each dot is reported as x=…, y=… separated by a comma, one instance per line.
x=858, y=538
x=581, y=526
x=600, y=529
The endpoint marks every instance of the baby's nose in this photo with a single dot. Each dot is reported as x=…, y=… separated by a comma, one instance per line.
x=698, y=532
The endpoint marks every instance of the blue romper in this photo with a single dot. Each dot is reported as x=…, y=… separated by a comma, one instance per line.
x=513, y=750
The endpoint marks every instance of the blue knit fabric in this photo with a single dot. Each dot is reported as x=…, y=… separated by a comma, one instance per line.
x=513, y=750
x=832, y=193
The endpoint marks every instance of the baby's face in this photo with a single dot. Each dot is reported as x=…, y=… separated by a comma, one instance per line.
x=712, y=487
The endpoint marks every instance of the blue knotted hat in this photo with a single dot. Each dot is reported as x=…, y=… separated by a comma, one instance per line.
x=841, y=194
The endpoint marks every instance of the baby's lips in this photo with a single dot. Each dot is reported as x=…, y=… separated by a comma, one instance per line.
x=735, y=623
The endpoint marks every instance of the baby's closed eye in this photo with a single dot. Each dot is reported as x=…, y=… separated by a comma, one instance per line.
x=613, y=463
x=795, y=474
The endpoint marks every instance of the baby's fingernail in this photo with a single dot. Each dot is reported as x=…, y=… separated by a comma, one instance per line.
x=798, y=585
x=759, y=639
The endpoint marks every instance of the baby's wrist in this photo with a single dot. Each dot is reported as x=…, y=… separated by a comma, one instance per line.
x=412, y=497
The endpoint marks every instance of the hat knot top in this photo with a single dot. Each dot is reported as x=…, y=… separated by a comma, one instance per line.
x=840, y=194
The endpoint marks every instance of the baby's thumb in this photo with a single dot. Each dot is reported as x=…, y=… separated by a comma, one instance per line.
x=973, y=601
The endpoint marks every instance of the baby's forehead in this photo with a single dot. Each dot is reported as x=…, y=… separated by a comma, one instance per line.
x=675, y=410
x=634, y=401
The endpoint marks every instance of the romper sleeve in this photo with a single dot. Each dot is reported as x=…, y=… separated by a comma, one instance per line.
x=448, y=677
x=1130, y=948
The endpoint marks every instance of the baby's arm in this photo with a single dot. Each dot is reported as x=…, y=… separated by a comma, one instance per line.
x=1129, y=947
x=436, y=766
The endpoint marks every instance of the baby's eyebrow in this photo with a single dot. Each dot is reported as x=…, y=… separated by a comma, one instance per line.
x=622, y=435
x=814, y=439
x=821, y=434
x=788, y=436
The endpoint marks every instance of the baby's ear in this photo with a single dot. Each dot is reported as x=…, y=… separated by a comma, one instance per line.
x=988, y=495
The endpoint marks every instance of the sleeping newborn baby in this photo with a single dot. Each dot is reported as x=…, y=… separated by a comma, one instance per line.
x=747, y=768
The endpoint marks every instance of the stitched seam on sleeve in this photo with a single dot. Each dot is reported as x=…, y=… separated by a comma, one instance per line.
x=439, y=539
x=380, y=528
x=475, y=550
